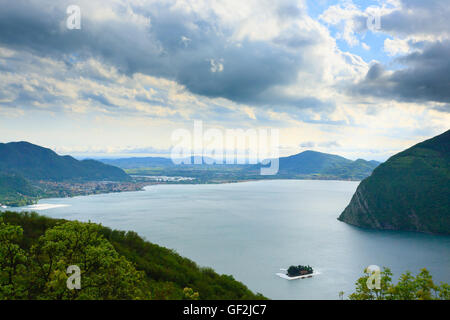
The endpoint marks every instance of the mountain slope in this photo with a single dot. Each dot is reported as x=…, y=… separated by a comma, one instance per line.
x=327, y=165
x=410, y=191
x=37, y=163
x=16, y=189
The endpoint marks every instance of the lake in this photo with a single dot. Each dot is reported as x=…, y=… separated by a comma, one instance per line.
x=252, y=229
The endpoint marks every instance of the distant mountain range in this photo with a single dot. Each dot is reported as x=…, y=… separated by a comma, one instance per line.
x=138, y=162
x=37, y=163
x=410, y=191
x=150, y=162
x=307, y=164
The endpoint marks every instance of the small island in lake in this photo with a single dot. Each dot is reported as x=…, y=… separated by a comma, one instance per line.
x=297, y=272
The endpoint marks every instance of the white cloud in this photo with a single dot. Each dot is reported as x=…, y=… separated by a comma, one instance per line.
x=396, y=46
x=365, y=46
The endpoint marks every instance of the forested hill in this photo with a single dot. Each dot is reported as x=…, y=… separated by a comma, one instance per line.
x=326, y=165
x=35, y=252
x=15, y=189
x=410, y=191
x=37, y=163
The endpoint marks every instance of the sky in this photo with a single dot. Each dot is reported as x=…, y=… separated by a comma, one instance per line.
x=362, y=79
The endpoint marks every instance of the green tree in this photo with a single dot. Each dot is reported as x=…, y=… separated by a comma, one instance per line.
x=104, y=274
x=420, y=287
x=12, y=262
x=189, y=294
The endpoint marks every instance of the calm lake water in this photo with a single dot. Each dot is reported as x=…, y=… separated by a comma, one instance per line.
x=250, y=230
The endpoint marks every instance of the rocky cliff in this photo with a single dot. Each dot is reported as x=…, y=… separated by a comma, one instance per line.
x=410, y=191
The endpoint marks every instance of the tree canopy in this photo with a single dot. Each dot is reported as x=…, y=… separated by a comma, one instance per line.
x=294, y=271
x=40, y=273
x=420, y=287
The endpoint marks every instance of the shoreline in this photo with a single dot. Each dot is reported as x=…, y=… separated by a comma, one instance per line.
x=285, y=276
x=143, y=185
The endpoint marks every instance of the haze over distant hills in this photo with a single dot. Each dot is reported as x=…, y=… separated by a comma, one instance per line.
x=138, y=162
x=307, y=164
x=410, y=191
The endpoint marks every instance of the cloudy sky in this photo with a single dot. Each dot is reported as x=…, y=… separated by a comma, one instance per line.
x=362, y=79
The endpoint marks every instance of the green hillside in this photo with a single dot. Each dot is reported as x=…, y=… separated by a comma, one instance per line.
x=37, y=163
x=410, y=191
x=325, y=165
x=14, y=189
x=35, y=252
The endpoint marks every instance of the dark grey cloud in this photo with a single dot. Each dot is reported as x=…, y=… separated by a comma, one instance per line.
x=424, y=77
x=251, y=71
x=428, y=17
x=418, y=17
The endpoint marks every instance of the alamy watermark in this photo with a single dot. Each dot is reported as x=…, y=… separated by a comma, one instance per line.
x=74, y=280
x=373, y=21
x=374, y=280
x=227, y=146
x=73, y=21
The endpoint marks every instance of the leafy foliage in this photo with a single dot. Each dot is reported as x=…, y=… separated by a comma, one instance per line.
x=189, y=294
x=40, y=273
x=13, y=260
x=105, y=274
x=35, y=252
x=420, y=287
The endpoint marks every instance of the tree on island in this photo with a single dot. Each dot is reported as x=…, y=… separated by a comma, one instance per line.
x=295, y=271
